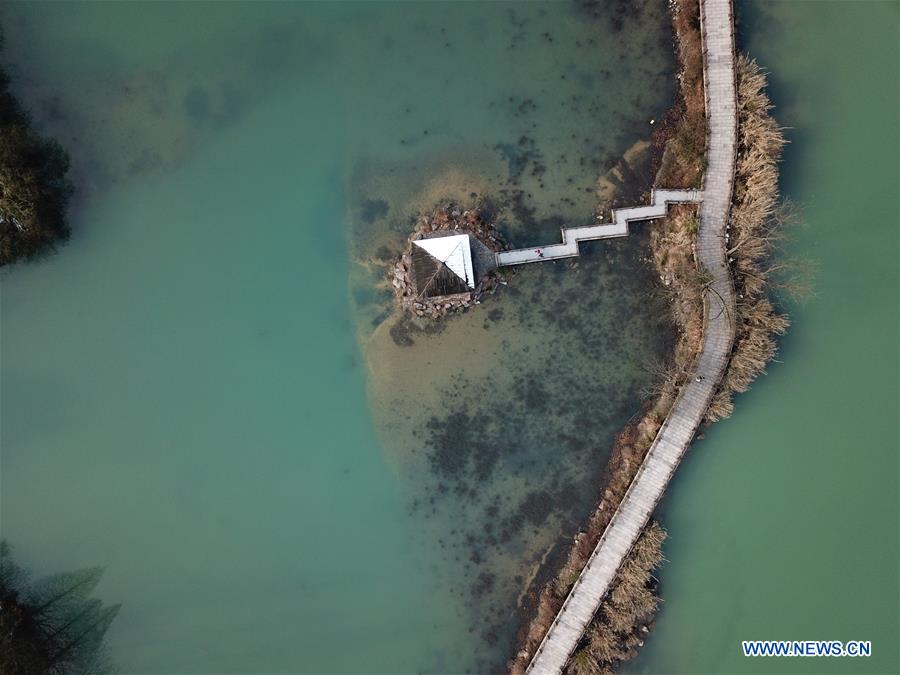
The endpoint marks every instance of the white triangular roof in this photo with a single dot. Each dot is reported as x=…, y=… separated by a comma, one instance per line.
x=455, y=252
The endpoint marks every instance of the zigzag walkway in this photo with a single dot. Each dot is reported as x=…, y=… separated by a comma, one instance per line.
x=689, y=409
x=659, y=201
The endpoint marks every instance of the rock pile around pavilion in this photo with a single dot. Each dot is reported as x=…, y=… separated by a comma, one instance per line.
x=452, y=220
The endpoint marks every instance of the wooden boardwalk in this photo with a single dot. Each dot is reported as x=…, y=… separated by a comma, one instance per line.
x=679, y=428
x=659, y=201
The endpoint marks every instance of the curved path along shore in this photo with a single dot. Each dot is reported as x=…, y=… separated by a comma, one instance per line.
x=689, y=409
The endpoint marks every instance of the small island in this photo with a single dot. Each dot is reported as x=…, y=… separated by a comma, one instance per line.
x=349, y=323
x=449, y=263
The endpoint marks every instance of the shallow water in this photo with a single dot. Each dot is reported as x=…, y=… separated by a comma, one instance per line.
x=200, y=390
x=504, y=420
x=783, y=520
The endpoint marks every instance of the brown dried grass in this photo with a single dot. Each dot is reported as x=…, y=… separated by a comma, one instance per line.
x=682, y=134
x=626, y=614
x=758, y=222
x=758, y=219
x=682, y=138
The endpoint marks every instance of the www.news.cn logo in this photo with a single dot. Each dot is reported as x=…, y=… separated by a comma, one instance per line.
x=806, y=648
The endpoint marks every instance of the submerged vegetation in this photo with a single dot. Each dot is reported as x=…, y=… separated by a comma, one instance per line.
x=758, y=220
x=34, y=190
x=680, y=144
x=51, y=625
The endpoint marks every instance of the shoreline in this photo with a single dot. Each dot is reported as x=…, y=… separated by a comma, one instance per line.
x=634, y=440
x=618, y=628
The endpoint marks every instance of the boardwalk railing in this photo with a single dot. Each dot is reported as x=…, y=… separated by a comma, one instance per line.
x=659, y=201
x=688, y=411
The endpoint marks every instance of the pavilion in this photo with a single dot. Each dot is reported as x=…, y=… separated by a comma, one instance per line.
x=443, y=266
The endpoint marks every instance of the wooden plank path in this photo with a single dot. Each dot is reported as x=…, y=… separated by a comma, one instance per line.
x=659, y=201
x=679, y=428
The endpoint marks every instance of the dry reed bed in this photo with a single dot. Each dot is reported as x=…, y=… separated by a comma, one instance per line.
x=680, y=141
x=681, y=137
x=758, y=219
x=625, y=617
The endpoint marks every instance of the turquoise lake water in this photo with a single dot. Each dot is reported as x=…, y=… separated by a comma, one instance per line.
x=202, y=392
x=783, y=520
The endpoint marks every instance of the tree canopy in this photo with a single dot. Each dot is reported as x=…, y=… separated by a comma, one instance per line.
x=51, y=625
x=34, y=190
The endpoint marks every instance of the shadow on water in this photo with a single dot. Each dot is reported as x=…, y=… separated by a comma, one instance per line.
x=137, y=122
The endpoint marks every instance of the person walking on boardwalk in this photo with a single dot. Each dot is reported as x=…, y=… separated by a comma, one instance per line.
x=539, y=252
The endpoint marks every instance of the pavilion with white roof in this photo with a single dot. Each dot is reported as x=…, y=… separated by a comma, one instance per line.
x=442, y=265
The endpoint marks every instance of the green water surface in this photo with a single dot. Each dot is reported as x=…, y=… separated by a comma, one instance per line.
x=184, y=396
x=784, y=518
x=185, y=399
